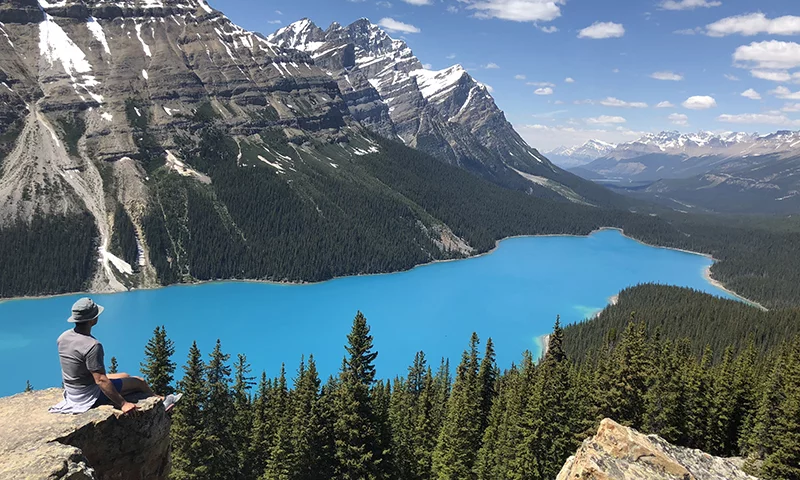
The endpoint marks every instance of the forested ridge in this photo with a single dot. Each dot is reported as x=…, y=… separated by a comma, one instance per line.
x=676, y=313
x=481, y=423
x=371, y=214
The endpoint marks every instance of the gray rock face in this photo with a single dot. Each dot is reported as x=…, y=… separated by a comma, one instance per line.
x=99, y=444
x=445, y=113
x=621, y=453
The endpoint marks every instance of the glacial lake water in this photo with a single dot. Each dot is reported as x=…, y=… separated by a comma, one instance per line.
x=512, y=295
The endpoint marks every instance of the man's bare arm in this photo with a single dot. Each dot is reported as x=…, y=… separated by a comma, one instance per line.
x=107, y=387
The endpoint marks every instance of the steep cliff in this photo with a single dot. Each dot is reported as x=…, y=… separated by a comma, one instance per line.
x=100, y=444
x=621, y=453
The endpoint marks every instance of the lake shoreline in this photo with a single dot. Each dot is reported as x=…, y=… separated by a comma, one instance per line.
x=706, y=273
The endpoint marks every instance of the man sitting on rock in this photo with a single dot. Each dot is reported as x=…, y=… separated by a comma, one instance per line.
x=83, y=371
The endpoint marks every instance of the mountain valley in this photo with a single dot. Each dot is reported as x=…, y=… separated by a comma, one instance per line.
x=705, y=172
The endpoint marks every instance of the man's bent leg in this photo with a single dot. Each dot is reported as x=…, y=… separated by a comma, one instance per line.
x=135, y=385
x=115, y=376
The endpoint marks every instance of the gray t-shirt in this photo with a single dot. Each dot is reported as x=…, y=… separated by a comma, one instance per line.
x=80, y=356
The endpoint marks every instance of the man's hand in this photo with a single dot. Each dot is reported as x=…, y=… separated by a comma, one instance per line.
x=128, y=407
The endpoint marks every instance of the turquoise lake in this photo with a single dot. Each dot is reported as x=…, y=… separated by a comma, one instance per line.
x=512, y=295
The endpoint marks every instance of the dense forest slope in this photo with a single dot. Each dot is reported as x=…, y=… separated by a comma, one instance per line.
x=675, y=313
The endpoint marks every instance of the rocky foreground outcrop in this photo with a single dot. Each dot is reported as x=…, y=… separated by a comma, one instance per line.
x=101, y=444
x=622, y=453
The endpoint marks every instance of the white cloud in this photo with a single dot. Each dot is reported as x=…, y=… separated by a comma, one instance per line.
x=561, y=102
x=549, y=29
x=751, y=94
x=758, y=118
x=605, y=120
x=452, y=9
x=616, y=102
x=688, y=4
x=665, y=104
x=488, y=88
x=699, y=102
x=730, y=77
x=544, y=91
x=769, y=55
x=678, y=119
x=517, y=10
x=616, y=70
x=549, y=114
x=785, y=93
x=674, y=77
x=520, y=77
x=278, y=12
x=791, y=107
x=384, y=4
x=491, y=66
x=427, y=66
x=772, y=75
x=540, y=84
x=418, y=2
x=451, y=56
x=393, y=25
x=547, y=137
x=600, y=30
x=274, y=22
x=569, y=80
x=754, y=24
x=689, y=31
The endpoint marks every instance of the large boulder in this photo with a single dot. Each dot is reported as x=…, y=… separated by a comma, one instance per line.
x=622, y=453
x=101, y=444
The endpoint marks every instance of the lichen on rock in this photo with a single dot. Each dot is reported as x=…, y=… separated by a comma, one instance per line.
x=100, y=444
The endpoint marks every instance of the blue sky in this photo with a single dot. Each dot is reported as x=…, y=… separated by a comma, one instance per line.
x=716, y=65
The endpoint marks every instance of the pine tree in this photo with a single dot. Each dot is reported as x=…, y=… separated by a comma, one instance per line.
x=381, y=400
x=114, y=367
x=222, y=458
x=492, y=457
x=487, y=377
x=401, y=419
x=459, y=439
x=663, y=413
x=313, y=457
x=425, y=429
x=356, y=435
x=281, y=456
x=783, y=462
x=242, y=408
x=158, y=367
x=188, y=432
x=261, y=432
x=627, y=377
x=28, y=386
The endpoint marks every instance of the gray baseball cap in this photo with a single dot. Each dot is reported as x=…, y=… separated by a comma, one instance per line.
x=85, y=310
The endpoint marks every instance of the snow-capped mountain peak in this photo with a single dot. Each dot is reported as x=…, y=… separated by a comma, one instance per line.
x=588, y=151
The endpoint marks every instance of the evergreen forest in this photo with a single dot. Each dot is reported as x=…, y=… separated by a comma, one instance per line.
x=740, y=398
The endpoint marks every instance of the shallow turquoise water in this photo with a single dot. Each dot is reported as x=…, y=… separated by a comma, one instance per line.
x=512, y=295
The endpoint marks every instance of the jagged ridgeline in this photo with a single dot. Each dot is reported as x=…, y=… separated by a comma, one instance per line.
x=183, y=147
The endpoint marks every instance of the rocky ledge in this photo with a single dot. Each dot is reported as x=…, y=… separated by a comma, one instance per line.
x=101, y=444
x=622, y=453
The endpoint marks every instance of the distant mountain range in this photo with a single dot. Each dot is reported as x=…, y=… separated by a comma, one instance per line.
x=719, y=172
